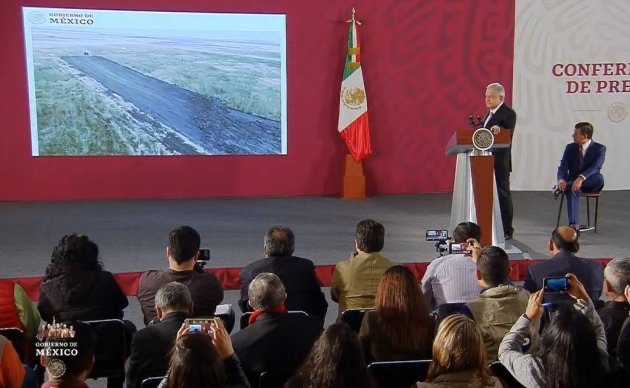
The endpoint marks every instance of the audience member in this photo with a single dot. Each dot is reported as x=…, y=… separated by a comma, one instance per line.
x=274, y=339
x=621, y=375
x=355, y=280
x=563, y=246
x=76, y=287
x=459, y=357
x=617, y=309
x=400, y=328
x=182, y=253
x=500, y=304
x=451, y=279
x=204, y=360
x=150, y=346
x=16, y=309
x=572, y=347
x=334, y=362
x=65, y=368
x=11, y=370
x=297, y=274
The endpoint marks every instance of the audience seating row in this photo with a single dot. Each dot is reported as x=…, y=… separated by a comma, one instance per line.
x=230, y=277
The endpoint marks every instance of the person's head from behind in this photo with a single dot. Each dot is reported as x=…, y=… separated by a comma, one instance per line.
x=195, y=362
x=583, y=133
x=370, y=236
x=616, y=278
x=564, y=238
x=173, y=297
x=183, y=245
x=279, y=241
x=568, y=349
x=74, y=252
x=459, y=347
x=493, y=267
x=69, y=351
x=266, y=291
x=336, y=361
x=466, y=230
x=402, y=309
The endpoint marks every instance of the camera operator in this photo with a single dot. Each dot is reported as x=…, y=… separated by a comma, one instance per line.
x=452, y=278
x=183, y=267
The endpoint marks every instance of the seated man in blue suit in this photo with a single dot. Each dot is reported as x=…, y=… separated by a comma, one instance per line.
x=579, y=169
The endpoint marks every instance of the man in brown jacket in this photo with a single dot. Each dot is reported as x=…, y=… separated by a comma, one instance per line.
x=355, y=280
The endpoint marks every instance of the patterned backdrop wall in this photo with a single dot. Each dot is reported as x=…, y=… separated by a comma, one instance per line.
x=571, y=64
x=425, y=63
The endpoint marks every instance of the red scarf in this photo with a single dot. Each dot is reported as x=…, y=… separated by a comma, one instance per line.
x=279, y=309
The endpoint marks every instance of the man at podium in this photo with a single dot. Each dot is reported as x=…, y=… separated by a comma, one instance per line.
x=501, y=117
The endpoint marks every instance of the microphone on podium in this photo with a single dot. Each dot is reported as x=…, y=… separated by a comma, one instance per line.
x=471, y=121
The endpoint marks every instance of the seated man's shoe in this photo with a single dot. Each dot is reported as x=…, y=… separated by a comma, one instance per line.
x=507, y=237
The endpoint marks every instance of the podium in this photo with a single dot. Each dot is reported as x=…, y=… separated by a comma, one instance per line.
x=475, y=195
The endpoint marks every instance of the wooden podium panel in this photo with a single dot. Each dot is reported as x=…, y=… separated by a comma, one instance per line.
x=353, y=180
x=482, y=182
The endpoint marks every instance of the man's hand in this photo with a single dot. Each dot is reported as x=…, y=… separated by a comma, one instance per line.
x=495, y=129
x=535, y=308
x=562, y=184
x=577, y=184
x=576, y=288
x=475, y=248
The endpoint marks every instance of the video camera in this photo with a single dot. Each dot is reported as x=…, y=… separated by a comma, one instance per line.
x=444, y=244
x=202, y=260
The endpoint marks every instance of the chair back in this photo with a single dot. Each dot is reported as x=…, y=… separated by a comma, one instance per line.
x=111, y=348
x=398, y=374
x=444, y=310
x=353, y=318
x=244, y=322
x=499, y=371
x=151, y=382
x=274, y=378
x=16, y=336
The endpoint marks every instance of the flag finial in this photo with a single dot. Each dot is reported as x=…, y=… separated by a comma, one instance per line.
x=353, y=20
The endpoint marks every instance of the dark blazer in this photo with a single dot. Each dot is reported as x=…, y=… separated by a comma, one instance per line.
x=505, y=117
x=613, y=315
x=300, y=281
x=275, y=342
x=594, y=157
x=205, y=288
x=81, y=295
x=589, y=272
x=150, y=349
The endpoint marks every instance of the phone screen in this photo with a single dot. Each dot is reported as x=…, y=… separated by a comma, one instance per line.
x=200, y=325
x=558, y=284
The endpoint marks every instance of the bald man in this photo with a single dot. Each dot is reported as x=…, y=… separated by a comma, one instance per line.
x=563, y=246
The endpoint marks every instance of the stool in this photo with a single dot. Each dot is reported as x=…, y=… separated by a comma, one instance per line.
x=588, y=196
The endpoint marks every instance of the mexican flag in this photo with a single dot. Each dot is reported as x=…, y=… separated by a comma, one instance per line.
x=353, y=118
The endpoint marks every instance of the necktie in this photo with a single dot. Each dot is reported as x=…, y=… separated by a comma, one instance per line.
x=581, y=156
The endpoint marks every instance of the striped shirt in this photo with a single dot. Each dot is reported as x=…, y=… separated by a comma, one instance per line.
x=450, y=279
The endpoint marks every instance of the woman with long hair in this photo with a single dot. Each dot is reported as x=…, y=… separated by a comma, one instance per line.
x=572, y=348
x=459, y=356
x=76, y=287
x=335, y=361
x=204, y=360
x=400, y=327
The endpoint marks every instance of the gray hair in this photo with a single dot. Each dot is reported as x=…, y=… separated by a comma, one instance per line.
x=617, y=273
x=173, y=296
x=279, y=241
x=498, y=88
x=266, y=291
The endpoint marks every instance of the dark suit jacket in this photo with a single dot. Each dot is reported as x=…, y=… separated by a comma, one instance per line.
x=589, y=272
x=298, y=276
x=569, y=168
x=505, y=117
x=150, y=349
x=205, y=288
x=613, y=315
x=275, y=342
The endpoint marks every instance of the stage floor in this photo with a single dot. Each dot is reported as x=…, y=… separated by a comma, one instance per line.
x=132, y=234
